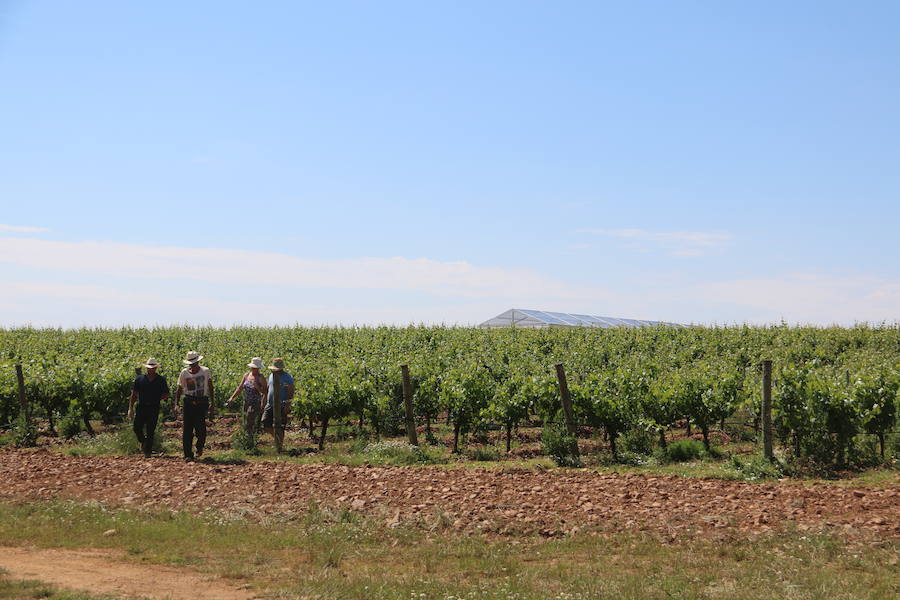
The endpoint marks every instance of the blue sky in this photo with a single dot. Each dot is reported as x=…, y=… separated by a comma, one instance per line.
x=397, y=162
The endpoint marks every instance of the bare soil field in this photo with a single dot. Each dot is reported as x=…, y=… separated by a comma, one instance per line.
x=506, y=502
x=103, y=572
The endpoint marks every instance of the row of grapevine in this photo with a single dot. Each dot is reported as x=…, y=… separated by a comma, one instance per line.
x=831, y=383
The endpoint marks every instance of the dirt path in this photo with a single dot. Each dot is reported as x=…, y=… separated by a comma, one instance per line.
x=475, y=500
x=98, y=572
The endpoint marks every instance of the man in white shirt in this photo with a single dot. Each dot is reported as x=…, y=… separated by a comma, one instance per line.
x=195, y=383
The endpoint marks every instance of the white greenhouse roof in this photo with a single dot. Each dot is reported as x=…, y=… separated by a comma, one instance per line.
x=521, y=317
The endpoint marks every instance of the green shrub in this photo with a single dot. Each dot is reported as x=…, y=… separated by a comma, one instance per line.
x=124, y=441
x=484, y=453
x=560, y=445
x=864, y=452
x=70, y=426
x=24, y=433
x=713, y=452
x=241, y=439
x=757, y=466
x=684, y=450
x=638, y=441
x=359, y=445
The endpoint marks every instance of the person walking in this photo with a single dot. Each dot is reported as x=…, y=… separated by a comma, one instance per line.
x=150, y=390
x=196, y=384
x=255, y=388
x=286, y=392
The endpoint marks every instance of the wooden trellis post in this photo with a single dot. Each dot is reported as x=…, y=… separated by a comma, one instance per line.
x=408, y=404
x=566, y=400
x=23, y=401
x=767, y=409
x=277, y=429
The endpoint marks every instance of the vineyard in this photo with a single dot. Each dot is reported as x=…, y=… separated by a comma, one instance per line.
x=835, y=390
x=477, y=510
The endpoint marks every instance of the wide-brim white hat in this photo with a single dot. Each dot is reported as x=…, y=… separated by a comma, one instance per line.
x=255, y=363
x=151, y=363
x=192, y=357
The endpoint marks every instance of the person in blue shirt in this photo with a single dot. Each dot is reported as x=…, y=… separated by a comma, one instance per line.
x=286, y=393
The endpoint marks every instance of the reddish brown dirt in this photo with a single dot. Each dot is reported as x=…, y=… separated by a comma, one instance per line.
x=103, y=572
x=497, y=501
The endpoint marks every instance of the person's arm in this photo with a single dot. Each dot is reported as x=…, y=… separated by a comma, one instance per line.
x=263, y=388
x=237, y=390
x=265, y=399
x=134, y=395
x=179, y=390
x=290, y=396
x=164, y=397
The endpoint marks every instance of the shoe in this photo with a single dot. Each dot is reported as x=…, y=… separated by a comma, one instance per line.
x=146, y=455
x=189, y=459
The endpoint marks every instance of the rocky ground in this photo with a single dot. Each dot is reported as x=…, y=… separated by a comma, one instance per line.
x=509, y=502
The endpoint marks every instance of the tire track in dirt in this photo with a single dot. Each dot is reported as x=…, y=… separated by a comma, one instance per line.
x=99, y=572
x=466, y=499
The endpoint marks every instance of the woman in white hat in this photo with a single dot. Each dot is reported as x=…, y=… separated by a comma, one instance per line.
x=255, y=389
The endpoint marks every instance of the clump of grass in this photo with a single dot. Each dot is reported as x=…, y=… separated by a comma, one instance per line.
x=337, y=553
x=684, y=451
x=757, y=466
x=634, y=459
x=399, y=453
x=243, y=440
x=120, y=441
x=38, y=590
x=484, y=453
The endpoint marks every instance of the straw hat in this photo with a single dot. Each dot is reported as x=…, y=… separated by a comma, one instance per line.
x=277, y=364
x=192, y=357
x=151, y=363
x=255, y=363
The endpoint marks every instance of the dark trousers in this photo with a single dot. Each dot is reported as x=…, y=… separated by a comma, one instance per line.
x=145, y=420
x=194, y=422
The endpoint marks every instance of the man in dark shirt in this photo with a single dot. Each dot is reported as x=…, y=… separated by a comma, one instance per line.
x=149, y=391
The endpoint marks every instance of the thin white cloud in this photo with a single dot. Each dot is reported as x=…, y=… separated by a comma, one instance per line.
x=75, y=305
x=22, y=229
x=219, y=265
x=809, y=298
x=677, y=243
x=798, y=299
x=384, y=290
